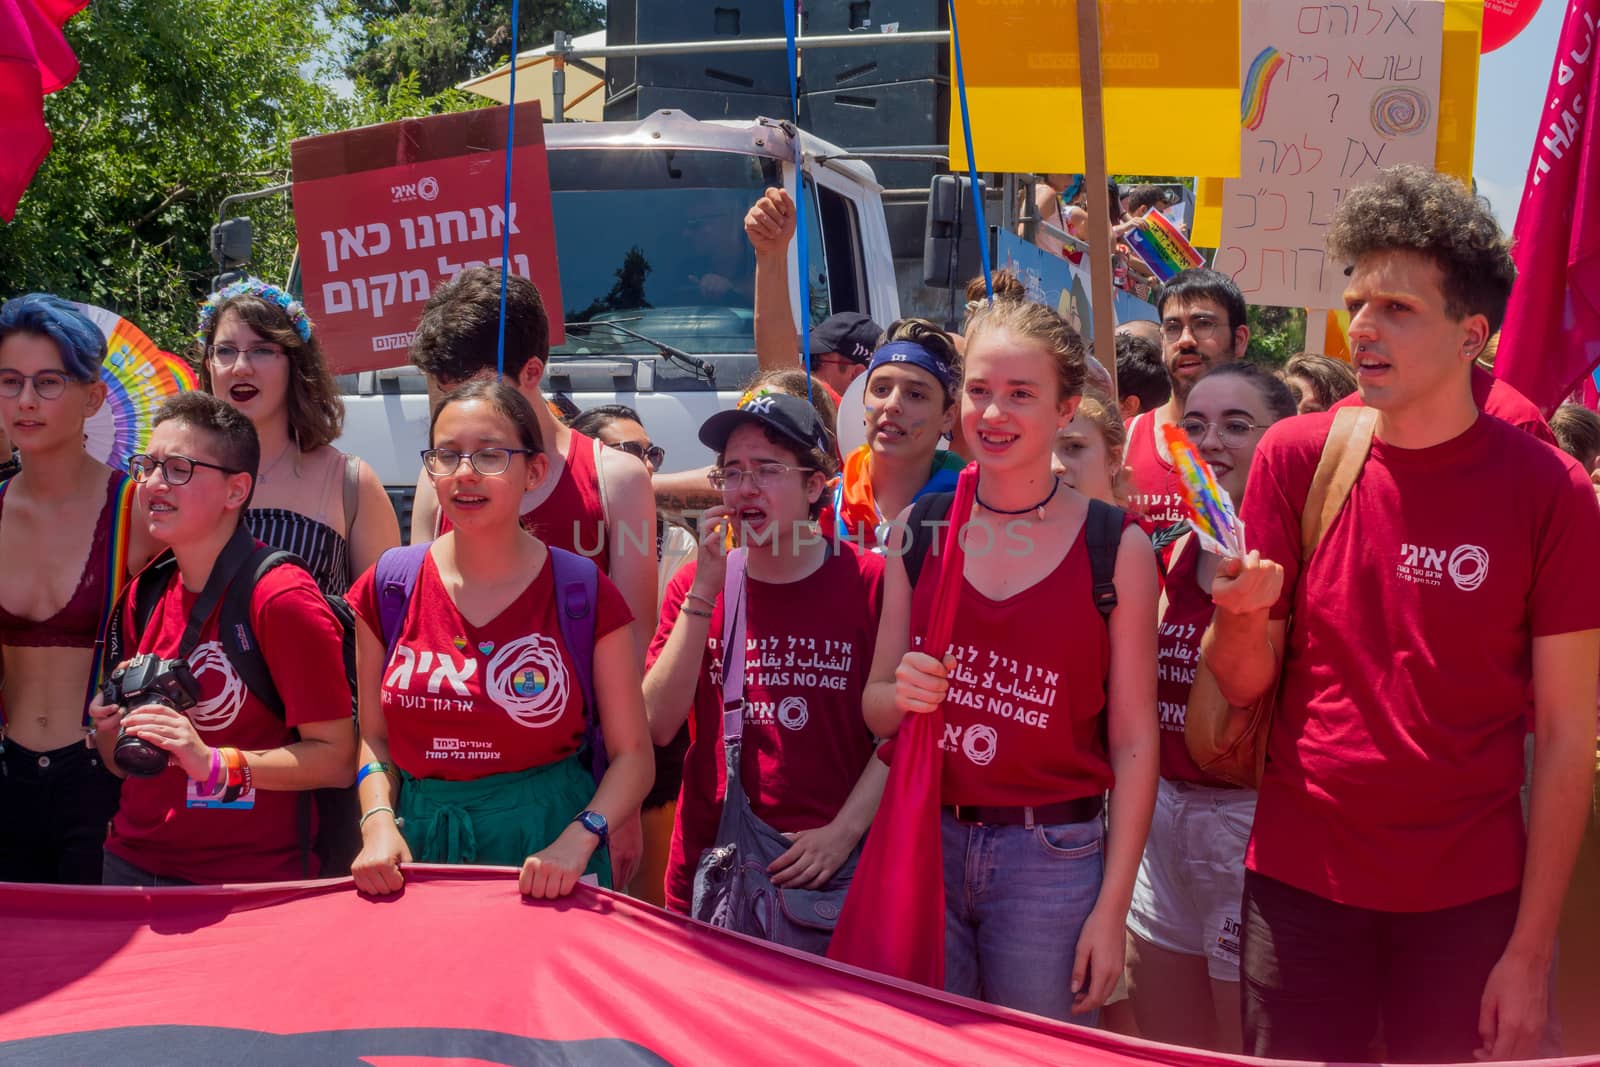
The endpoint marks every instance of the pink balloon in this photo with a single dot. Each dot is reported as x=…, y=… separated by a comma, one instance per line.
x=1504, y=19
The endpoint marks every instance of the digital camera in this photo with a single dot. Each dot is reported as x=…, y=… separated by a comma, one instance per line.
x=144, y=680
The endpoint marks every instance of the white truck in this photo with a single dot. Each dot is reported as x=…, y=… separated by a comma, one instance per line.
x=657, y=277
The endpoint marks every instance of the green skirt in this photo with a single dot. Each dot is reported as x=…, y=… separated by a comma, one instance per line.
x=499, y=820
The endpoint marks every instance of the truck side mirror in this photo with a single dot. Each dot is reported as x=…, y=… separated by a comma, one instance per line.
x=231, y=240
x=950, y=250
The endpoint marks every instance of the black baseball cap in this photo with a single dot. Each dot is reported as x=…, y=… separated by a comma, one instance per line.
x=790, y=416
x=849, y=333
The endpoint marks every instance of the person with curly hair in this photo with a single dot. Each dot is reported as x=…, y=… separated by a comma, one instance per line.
x=259, y=352
x=1392, y=887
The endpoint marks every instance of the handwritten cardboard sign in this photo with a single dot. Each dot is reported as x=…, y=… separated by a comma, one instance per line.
x=387, y=214
x=1330, y=94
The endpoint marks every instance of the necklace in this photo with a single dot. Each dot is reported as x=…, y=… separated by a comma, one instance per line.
x=287, y=449
x=1055, y=483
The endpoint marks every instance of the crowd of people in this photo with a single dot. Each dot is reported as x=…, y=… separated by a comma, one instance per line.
x=582, y=666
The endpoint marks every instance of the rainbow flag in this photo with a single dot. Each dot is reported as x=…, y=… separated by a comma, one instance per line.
x=1162, y=246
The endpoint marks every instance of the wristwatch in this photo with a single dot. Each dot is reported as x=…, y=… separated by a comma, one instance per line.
x=595, y=823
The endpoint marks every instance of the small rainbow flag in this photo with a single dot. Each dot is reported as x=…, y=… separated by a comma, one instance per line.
x=1205, y=502
x=1162, y=246
x=1257, y=83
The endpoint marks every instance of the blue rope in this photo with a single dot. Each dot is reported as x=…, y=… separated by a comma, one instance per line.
x=790, y=26
x=505, y=234
x=972, y=164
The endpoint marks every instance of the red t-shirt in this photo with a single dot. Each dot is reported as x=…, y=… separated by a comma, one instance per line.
x=463, y=701
x=1493, y=397
x=301, y=641
x=1395, y=759
x=573, y=516
x=1187, y=615
x=1024, y=722
x=808, y=652
x=1157, y=488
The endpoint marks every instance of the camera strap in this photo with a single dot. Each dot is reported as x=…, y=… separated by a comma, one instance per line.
x=240, y=547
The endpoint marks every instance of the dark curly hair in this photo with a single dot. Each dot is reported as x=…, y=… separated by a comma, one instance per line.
x=1414, y=209
x=316, y=411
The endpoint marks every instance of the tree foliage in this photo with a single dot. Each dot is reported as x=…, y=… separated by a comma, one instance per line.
x=445, y=42
x=1275, y=333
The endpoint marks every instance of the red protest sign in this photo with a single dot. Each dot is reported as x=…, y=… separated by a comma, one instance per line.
x=386, y=214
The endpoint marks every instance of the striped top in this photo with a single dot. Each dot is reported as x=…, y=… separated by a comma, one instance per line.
x=320, y=547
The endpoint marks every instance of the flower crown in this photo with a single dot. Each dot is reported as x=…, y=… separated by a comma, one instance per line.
x=258, y=288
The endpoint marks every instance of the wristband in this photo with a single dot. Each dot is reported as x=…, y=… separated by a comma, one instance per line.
x=370, y=768
x=687, y=610
x=244, y=768
x=707, y=601
x=370, y=812
x=213, y=783
x=234, y=779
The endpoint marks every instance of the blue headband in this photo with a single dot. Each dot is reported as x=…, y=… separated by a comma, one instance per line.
x=914, y=354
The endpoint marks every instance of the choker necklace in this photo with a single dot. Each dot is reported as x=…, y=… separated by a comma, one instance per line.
x=1055, y=484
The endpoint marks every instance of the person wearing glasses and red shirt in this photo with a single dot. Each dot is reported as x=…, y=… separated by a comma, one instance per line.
x=215, y=801
x=811, y=608
x=1202, y=325
x=68, y=514
x=472, y=710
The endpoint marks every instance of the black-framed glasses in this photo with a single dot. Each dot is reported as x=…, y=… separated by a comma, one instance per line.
x=1233, y=431
x=766, y=475
x=443, y=462
x=175, y=470
x=47, y=384
x=255, y=355
x=654, y=455
x=1201, y=328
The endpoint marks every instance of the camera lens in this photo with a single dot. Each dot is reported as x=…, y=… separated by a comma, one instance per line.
x=139, y=758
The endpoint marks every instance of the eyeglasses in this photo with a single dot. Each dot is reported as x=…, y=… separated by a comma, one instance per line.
x=228, y=355
x=443, y=462
x=175, y=470
x=766, y=475
x=47, y=384
x=1233, y=432
x=654, y=455
x=1201, y=328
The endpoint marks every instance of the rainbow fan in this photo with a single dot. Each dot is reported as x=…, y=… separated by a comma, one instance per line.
x=138, y=377
x=1207, y=504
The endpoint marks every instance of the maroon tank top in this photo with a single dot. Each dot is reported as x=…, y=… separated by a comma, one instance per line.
x=77, y=624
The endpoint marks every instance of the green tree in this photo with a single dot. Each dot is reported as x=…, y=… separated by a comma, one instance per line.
x=445, y=42
x=177, y=104
x=1275, y=333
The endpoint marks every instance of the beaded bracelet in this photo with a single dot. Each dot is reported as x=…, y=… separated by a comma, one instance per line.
x=707, y=601
x=370, y=812
x=687, y=610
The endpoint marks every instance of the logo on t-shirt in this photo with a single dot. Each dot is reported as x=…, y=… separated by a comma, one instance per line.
x=217, y=711
x=979, y=743
x=528, y=679
x=1467, y=566
x=793, y=713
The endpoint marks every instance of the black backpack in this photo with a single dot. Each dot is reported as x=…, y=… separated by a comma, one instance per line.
x=338, y=837
x=1102, y=527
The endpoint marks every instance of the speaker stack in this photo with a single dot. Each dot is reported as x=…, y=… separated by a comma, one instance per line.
x=718, y=85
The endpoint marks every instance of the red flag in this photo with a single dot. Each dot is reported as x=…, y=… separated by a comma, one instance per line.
x=35, y=59
x=1551, y=336
x=893, y=919
x=458, y=969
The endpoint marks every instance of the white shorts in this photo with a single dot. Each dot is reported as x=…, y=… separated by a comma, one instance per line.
x=1191, y=880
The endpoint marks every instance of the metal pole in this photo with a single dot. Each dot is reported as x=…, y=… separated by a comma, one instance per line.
x=558, y=74
x=1094, y=156
x=756, y=44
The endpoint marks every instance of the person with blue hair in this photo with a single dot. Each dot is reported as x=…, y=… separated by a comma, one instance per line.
x=65, y=533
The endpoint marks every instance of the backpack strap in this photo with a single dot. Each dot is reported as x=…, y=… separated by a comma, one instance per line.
x=1344, y=454
x=352, y=493
x=929, y=510
x=395, y=577
x=237, y=635
x=577, y=581
x=1103, y=529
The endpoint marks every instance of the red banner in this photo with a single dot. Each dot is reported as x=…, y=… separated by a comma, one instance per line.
x=386, y=214
x=458, y=969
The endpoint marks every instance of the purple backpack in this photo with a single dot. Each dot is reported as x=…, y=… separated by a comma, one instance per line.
x=577, y=583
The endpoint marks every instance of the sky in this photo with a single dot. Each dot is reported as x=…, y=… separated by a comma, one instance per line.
x=1512, y=81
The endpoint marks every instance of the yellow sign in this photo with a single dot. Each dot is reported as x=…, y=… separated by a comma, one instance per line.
x=1169, y=68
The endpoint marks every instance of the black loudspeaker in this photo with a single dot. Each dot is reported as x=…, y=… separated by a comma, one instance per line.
x=667, y=21
x=839, y=68
x=639, y=101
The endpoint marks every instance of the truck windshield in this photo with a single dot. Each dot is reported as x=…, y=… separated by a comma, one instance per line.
x=654, y=239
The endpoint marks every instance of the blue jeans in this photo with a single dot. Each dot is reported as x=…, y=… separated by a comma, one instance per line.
x=115, y=870
x=1014, y=902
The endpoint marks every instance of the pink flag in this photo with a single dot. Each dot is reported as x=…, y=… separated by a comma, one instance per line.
x=35, y=59
x=1551, y=337
x=893, y=919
